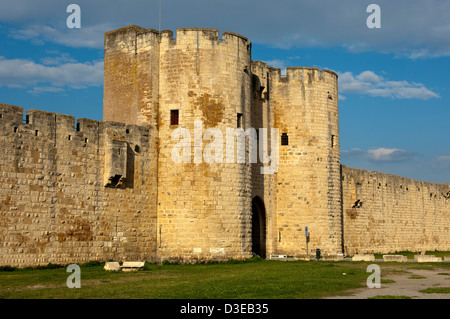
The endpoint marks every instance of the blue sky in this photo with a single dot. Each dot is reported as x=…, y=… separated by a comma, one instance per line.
x=393, y=82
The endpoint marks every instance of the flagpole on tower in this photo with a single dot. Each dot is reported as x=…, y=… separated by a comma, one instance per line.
x=159, y=25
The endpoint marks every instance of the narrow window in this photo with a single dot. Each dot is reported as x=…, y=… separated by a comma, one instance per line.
x=284, y=139
x=239, y=120
x=174, y=117
x=36, y=133
x=1, y=115
x=69, y=137
x=119, y=151
x=16, y=129
x=333, y=141
x=86, y=140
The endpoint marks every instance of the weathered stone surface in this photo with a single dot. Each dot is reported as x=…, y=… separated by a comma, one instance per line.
x=112, y=266
x=396, y=258
x=392, y=213
x=112, y=190
x=363, y=258
x=132, y=265
x=427, y=259
x=54, y=206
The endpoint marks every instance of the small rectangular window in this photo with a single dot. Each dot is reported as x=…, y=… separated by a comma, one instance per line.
x=69, y=137
x=284, y=139
x=16, y=129
x=174, y=117
x=239, y=120
x=36, y=133
x=333, y=141
x=1, y=115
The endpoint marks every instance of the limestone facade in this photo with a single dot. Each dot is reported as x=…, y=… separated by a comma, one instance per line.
x=117, y=190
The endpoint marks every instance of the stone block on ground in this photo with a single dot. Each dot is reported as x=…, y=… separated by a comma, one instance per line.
x=112, y=266
x=132, y=265
x=396, y=258
x=427, y=259
x=363, y=258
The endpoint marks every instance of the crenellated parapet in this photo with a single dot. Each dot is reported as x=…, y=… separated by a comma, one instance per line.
x=153, y=180
x=61, y=129
x=308, y=76
x=74, y=186
x=204, y=38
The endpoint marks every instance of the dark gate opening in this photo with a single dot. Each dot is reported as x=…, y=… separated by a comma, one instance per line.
x=258, y=227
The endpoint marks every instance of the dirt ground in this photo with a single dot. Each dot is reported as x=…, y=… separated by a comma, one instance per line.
x=408, y=282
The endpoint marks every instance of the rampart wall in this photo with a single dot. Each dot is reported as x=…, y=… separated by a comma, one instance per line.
x=154, y=181
x=74, y=193
x=385, y=213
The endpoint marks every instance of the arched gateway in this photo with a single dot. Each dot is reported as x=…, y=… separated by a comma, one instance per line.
x=258, y=227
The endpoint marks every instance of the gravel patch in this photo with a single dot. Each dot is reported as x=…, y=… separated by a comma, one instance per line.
x=406, y=284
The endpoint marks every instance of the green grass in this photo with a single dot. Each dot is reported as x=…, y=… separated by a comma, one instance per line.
x=439, y=290
x=262, y=280
x=410, y=254
x=416, y=277
x=254, y=279
x=390, y=297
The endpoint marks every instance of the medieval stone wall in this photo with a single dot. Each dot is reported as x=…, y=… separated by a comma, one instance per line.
x=58, y=202
x=131, y=77
x=305, y=108
x=385, y=213
x=162, y=179
x=203, y=201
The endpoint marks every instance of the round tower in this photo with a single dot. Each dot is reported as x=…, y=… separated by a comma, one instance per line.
x=204, y=198
x=131, y=76
x=305, y=106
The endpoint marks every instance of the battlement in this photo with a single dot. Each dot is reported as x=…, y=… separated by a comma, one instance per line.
x=306, y=75
x=62, y=127
x=194, y=38
x=129, y=38
x=203, y=38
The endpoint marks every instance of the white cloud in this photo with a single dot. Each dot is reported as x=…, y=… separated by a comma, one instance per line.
x=369, y=83
x=27, y=73
x=85, y=37
x=57, y=60
x=45, y=89
x=416, y=29
x=388, y=154
x=441, y=162
x=379, y=155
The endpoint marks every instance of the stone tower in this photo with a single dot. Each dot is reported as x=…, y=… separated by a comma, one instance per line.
x=197, y=85
x=305, y=191
x=305, y=104
x=203, y=154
